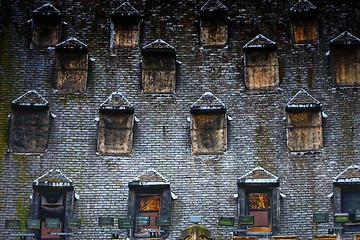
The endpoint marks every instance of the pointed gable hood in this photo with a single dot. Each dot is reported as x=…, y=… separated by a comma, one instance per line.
x=158, y=45
x=351, y=175
x=149, y=178
x=208, y=103
x=301, y=9
x=125, y=11
x=53, y=178
x=258, y=176
x=46, y=12
x=213, y=6
x=117, y=102
x=72, y=44
x=345, y=39
x=303, y=100
x=30, y=99
x=260, y=42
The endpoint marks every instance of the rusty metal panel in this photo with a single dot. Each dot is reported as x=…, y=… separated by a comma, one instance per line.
x=261, y=70
x=214, y=35
x=345, y=66
x=29, y=131
x=45, y=35
x=208, y=134
x=126, y=35
x=71, y=70
x=304, y=31
x=115, y=134
x=159, y=74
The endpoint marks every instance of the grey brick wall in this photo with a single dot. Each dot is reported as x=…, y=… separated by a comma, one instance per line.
x=205, y=185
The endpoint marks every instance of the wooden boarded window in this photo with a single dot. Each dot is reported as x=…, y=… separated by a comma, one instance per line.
x=214, y=28
x=345, y=59
x=148, y=206
x=71, y=67
x=125, y=27
x=208, y=133
x=29, y=129
x=46, y=26
x=115, y=132
x=303, y=22
x=304, y=130
x=259, y=204
x=158, y=71
x=261, y=65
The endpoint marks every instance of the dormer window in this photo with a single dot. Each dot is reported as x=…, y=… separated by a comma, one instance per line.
x=303, y=22
x=345, y=60
x=304, y=123
x=214, y=24
x=258, y=196
x=125, y=26
x=158, y=70
x=46, y=26
x=116, y=122
x=71, y=66
x=261, y=65
x=29, y=124
x=53, y=199
x=150, y=198
x=208, y=125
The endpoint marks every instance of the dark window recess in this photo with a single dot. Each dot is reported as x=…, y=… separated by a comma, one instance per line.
x=149, y=197
x=303, y=22
x=158, y=70
x=214, y=24
x=30, y=122
x=46, y=26
x=125, y=26
x=261, y=65
x=71, y=66
x=345, y=60
x=52, y=203
x=259, y=207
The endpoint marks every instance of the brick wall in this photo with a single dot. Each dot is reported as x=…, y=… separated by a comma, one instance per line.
x=206, y=184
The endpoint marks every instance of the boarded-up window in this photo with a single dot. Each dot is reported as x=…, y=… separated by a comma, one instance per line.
x=71, y=66
x=46, y=26
x=125, y=26
x=208, y=133
x=261, y=65
x=304, y=130
x=303, y=22
x=345, y=59
x=158, y=70
x=259, y=207
x=115, y=133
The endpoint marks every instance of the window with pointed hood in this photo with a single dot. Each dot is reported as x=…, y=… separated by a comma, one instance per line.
x=214, y=24
x=261, y=65
x=304, y=123
x=52, y=204
x=303, y=22
x=30, y=121
x=158, y=69
x=346, y=197
x=208, y=125
x=149, y=204
x=71, y=66
x=125, y=26
x=259, y=197
x=345, y=60
x=46, y=26
x=116, y=122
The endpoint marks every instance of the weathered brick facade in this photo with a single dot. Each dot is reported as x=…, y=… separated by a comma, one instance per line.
x=204, y=185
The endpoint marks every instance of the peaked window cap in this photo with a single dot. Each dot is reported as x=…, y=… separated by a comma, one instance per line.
x=303, y=100
x=117, y=101
x=53, y=178
x=213, y=5
x=258, y=176
x=71, y=44
x=158, y=45
x=345, y=39
x=125, y=10
x=30, y=99
x=260, y=42
x=208, y=102
x=351, y=175
x=46, y=11
x=149, y=177
x=303, y=6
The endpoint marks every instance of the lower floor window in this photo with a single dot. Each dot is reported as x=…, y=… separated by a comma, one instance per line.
x=259, y=207
x=148, y=208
